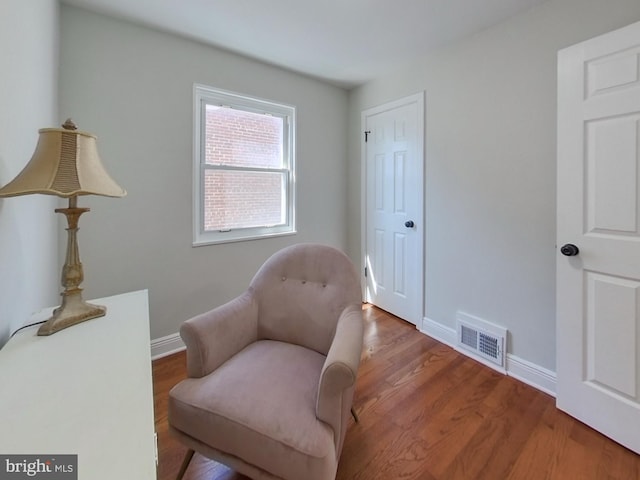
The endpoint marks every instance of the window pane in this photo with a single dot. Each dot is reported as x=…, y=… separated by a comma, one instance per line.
x=239, y=199
x=242, y=139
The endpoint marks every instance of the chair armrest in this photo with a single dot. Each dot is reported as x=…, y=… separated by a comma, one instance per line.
x=338, y=377
x=215, y=336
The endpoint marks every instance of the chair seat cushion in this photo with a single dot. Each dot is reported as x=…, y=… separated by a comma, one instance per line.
x=259, y=406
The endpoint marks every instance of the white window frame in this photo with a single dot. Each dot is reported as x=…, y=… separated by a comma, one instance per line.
x=204, y=95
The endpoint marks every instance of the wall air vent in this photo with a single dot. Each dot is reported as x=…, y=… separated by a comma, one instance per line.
x=481, y=340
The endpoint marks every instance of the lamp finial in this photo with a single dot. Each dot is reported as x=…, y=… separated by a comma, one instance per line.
x=69, y=125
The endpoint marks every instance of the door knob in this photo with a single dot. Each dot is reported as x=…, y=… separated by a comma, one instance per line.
x=570, y=250
x=409, y=224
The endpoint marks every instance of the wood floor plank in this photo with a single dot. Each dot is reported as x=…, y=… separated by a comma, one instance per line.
x=429, y=413
x=544, y=440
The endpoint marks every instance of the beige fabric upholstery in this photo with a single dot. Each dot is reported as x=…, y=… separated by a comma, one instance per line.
x=272, y=373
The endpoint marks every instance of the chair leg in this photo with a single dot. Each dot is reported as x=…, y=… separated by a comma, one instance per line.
x=185, y=463
x=355, y=416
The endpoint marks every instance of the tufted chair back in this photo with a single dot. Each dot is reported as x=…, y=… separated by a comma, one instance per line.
x=301, y=292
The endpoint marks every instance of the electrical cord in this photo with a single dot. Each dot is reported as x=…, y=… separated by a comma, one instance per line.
x=26, y=326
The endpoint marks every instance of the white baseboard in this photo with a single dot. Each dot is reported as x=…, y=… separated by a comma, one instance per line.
x=161, y=347
x=531, y=374
x=438, y=331
x=516, y=367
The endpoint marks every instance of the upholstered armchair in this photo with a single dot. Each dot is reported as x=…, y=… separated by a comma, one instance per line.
x=272, y=373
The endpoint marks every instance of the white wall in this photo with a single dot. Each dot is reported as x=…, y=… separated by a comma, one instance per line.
x=132, y=87
x=490, y=167
x=29, y=275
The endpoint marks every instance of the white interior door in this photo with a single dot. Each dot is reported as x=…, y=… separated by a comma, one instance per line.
x=394, y=185
x=598, y=289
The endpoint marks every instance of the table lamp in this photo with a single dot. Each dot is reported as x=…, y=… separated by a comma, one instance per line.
x=66, y=163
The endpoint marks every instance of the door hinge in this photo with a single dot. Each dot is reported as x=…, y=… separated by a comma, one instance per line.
x=366, y=135
x=155, y=446
x=365, y=271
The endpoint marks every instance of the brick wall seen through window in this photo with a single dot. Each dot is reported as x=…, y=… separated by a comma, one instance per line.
x=243, y=198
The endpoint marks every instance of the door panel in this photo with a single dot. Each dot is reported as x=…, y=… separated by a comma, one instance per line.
x=598, y=291
x=612, y=175
x=611, y=352
x=399, y=263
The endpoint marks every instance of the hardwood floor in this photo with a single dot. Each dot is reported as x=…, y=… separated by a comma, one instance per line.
x=428, y=413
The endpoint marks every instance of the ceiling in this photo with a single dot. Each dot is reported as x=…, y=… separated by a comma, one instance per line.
x=346, y=42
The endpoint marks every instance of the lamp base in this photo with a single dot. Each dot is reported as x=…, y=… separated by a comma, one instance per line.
x=73, y=310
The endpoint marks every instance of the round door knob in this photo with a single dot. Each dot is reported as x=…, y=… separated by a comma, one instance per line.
x=570, y=250
x=409, y=224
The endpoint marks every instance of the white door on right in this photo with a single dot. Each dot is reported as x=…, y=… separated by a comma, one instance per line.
x=598, y=234
x=394, y=202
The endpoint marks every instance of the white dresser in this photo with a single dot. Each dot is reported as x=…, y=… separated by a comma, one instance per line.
x=86, y=390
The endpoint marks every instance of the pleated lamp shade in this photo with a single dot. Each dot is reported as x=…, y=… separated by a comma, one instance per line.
x=65, y=163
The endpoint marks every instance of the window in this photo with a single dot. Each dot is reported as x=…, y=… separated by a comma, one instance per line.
x=243, y=167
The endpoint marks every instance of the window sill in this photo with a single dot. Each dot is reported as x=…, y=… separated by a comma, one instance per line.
x=232, y=239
